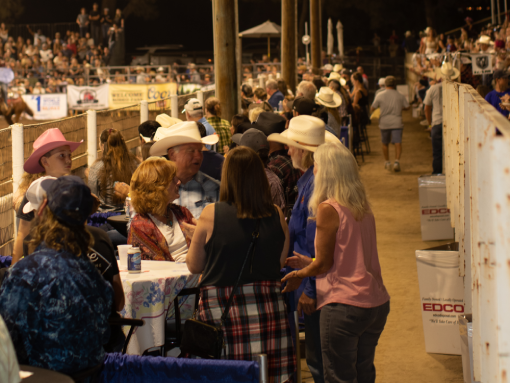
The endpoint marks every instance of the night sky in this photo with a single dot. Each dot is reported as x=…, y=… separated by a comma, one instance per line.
x=189, y=23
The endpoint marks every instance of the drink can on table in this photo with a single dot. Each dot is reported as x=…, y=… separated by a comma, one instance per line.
x=134, y=260
x=128, y=207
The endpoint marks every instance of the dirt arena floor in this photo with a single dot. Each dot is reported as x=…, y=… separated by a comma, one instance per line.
x=401, y=356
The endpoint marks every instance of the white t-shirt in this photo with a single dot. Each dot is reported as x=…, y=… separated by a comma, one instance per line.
x=174, y=238
x=391, y=103
x=434, y=98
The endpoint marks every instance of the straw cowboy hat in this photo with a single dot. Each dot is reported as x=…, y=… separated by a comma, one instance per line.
x=166, y=121
x=485, y=40
x=328, y=97
x=327, y=67
x=46, y=142
x=183, y=133
x=337, y=68
x=305, y=132
x=334, y=76
x=446, y=70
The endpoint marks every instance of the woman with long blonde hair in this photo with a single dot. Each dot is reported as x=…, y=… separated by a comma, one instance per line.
x=351, y=295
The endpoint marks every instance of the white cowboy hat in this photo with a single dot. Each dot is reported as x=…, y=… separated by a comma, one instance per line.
x=337, y=68
x=328, y=97
x=183, y=133
x=305, y=132
x=166, y=121
x=446, y=70
x=327, y=67
x=334, y=76
x=485, y=40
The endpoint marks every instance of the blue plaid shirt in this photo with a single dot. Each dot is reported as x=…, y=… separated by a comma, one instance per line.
x=201, y=191
x=208, y=130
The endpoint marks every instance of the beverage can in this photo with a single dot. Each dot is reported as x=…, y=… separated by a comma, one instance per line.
x=134, y=260
x=127, y=207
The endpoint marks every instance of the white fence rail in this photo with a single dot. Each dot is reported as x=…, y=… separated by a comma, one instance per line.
x=477, y=167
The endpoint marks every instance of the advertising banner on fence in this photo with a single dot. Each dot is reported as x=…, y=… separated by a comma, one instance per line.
x=482, y=64
x=47, y=106
x=122, y=95
x=88, y=97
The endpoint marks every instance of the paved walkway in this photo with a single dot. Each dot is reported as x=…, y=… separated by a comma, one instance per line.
x=401, y=355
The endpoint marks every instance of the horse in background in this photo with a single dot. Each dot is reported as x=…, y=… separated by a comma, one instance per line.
x=16, y=108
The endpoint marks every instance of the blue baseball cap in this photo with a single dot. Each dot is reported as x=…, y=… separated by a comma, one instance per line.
x=70, y=200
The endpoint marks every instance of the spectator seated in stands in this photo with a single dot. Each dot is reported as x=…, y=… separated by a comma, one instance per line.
x=257, y=321
x=257, y=141
x=183, y=144
x=161, y=229
x=54, y=302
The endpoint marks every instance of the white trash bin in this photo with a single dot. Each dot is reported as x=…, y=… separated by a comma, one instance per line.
x=434, y=214
x=441, y=298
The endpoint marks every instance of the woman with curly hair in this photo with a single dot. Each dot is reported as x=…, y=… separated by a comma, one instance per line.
x=54, y=302
x=161, y=229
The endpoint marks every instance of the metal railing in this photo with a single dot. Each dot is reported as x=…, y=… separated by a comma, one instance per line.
x=477, y=167
x=47, y=29
x=87, y=127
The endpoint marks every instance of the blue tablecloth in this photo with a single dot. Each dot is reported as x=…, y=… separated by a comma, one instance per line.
x=120, y=368
x=99, y=219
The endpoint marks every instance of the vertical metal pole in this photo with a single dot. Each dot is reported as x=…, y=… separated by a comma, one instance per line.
x=91, y=137
x=289, y=43
x=144, y=111
x=315, y=35
x=18, y=159
x=298, y=348
x=307, y=45
x=225, y=65
x=174, y=103
x=200, y=97
x=493, y=12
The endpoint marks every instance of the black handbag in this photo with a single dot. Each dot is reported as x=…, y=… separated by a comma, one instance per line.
x=204, y=340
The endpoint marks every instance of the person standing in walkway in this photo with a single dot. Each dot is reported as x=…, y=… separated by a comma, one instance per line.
x=83, y=21
x=303, y=137
x=392, y=103
x=434, y=115
x=351, y=295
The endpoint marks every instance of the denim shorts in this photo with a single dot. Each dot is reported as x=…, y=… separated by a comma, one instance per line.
x=393, y=135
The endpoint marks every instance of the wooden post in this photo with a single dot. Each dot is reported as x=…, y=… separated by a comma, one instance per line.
x=225, y=59
x=289, y=43
x=315, y=34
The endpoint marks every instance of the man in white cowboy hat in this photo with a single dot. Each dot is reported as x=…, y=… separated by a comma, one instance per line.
x=337, y=68
x=485, y=43
x=51, y=155
x=194, y=111
x=434, y=113
x=182, y=144
x=303, y=137
x=327, y=69
x=392, y=103
x=330, y=100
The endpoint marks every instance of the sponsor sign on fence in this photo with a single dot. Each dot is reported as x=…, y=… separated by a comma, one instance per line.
x=88, y=97
x=47, y=106
x=122, y=95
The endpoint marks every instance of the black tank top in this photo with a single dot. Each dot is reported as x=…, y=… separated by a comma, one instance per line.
x=228, y=246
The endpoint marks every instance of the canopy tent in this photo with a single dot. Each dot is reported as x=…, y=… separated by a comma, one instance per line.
x=267, y=29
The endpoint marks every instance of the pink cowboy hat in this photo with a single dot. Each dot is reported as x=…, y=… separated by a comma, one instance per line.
x=46, y=142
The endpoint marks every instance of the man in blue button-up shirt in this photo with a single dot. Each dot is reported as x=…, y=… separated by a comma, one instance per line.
x=303, y=137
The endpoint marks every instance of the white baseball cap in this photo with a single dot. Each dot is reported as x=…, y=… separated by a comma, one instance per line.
x=36, y=193
x=192, y=105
